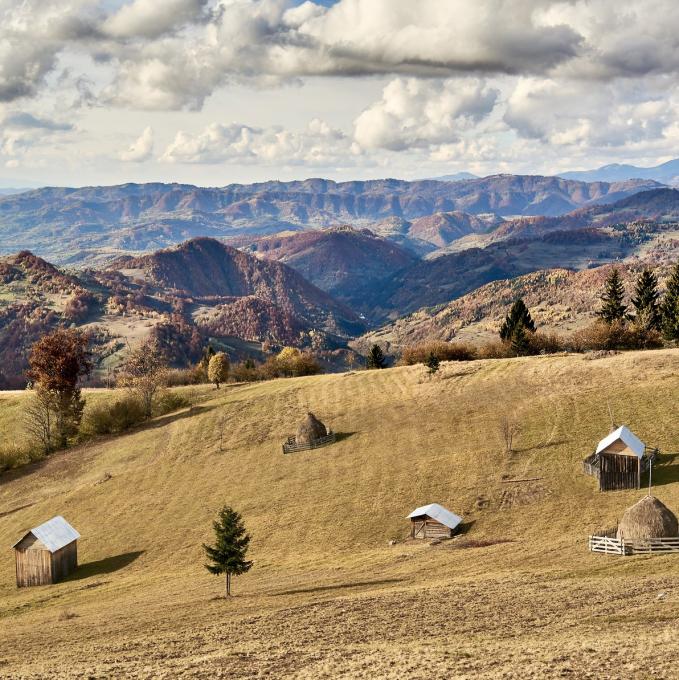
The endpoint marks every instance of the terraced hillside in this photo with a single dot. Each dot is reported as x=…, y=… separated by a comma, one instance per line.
x=517, y=595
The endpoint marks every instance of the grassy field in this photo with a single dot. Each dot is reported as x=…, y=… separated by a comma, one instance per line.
x=516, y=596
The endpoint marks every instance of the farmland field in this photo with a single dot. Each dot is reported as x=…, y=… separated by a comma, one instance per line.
x=336, y=589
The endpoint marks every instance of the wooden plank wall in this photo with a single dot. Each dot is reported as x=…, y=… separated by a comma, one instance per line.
x=33, y=567
x=619, y=472
x=429, y=528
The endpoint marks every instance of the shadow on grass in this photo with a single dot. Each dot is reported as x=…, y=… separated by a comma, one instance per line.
x=465, y=527
x=341, y=436
x=106, y=566
x=665, y=471
x=339, y=586
x=162, y=421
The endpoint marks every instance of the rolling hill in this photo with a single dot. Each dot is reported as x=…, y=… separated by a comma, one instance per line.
x=328, y=595
x=92, y=223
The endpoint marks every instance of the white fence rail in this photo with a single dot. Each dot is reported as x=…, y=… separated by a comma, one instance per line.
x=617, y=546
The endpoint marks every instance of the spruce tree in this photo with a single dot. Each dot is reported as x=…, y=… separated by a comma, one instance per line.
x=612, y=307
x=519, y=341
x=432, y=363
x=231, y=546
x=669, y=309
x=518, y=315
x=645, y=301
x=375, y=358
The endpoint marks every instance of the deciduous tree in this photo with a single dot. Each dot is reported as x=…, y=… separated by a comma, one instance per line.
x=143, y=374
x=218, y=369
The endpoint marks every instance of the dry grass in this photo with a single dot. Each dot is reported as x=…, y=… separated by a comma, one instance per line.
x=328, y=596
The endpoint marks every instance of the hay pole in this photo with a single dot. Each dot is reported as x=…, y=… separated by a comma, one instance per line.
x=514, y=481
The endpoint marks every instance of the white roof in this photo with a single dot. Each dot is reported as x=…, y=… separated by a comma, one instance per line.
x=54, y=534
x=627, y=437
x=439, y=513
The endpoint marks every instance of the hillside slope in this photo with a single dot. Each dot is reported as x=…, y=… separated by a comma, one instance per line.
x=328, y=596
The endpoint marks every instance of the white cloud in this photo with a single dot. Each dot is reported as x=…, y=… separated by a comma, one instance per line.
x=317, y=144
x=140, y=150
x=151, y=19
x=421, y=113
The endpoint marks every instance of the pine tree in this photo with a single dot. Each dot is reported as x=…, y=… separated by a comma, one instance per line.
x=645, y=301
x=612, y=307
x=669, y=309
x=218, y=369
x=432, y=363
x=375, y=358
x=519, y=341
x=518, y=315
x=231, y=546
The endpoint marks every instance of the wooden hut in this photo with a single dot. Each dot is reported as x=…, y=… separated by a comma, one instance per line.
x=433, y=521
x=619, y=460
x=46, y=554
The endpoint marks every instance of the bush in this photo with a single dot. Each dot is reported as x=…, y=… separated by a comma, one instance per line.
x=495, y=349
x=14, y=456
x=111, y=418
x=617, y=335
x=443, y=351
x=168, y=401
x=178, y=377
x=545, y=343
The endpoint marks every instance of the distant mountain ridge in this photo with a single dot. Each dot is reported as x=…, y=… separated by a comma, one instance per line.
x=75, y=225
x=666, y=173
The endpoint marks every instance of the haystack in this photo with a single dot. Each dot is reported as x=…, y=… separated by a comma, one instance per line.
x=310, y=429
x=648, y=518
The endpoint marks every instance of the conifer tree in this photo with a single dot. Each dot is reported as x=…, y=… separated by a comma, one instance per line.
x=375, y=358
x=432, y=363
x=518, y=315
x=669, y=309
x=612, y=299
x=519, y=340
x=645, y=301
x=231, y=545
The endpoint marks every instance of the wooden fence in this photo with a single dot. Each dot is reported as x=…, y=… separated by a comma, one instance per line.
x=618, y=546
x=291, y=446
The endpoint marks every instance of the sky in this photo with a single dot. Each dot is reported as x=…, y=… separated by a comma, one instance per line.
x=212, y=92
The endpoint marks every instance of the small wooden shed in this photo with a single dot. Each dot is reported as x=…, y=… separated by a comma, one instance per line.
x=619, y=460
x=433, y=521
x=47, y=553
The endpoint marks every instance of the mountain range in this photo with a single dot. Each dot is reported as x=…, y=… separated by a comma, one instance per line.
x=665, y=173
x=96, y=223
x=321, y=288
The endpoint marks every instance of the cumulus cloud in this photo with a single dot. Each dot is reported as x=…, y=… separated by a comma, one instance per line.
x=416, y=113
x=151, y=19
x=318, y=143
x=141, y=149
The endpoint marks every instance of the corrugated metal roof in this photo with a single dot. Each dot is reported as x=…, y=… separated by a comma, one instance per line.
x=439, y=513
x=627, y=437
x=54, y=534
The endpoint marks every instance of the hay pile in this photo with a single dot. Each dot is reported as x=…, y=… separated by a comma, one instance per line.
x=649, y=518
x=310, y=429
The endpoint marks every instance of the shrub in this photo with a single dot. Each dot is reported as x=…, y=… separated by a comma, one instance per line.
x=443, y=351
x=14, y=456
x=168, y=401
x=111, y=418
x=194, y=375
x=617, y=335
x=495, y=349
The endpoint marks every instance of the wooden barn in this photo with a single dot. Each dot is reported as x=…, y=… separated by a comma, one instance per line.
x=619, y=460
x=433, y=521
x=47, y=553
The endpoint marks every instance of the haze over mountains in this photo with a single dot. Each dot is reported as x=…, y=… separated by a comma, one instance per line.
x=74, y=225
x=666, y=173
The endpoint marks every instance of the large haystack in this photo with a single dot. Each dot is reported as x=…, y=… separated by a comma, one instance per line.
x=310, y=429
x=649, y=518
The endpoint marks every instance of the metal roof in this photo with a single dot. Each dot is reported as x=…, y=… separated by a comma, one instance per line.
x=54, y=534
x=627, y=437
x=439, y=513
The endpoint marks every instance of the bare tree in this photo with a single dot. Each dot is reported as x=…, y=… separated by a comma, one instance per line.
x=143, y=374
x=38, y=419
x=508, y=428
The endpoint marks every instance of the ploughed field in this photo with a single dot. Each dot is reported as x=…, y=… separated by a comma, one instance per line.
x=517, y=595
